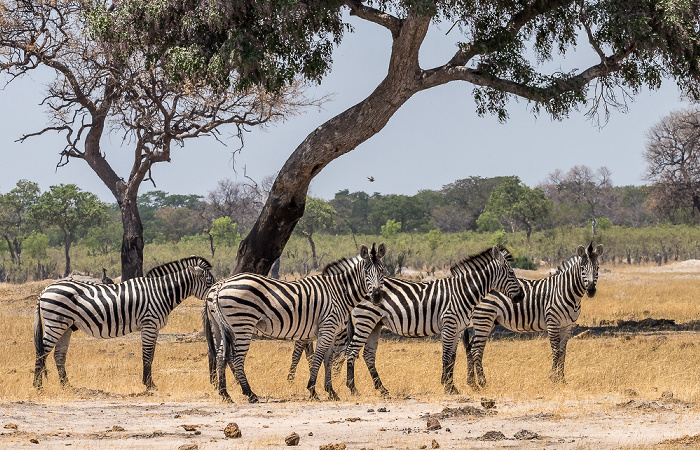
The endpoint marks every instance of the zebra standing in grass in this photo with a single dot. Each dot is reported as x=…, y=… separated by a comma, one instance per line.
x=248, y=304
x=552, y=304
x=418, y=309
x=113, y=310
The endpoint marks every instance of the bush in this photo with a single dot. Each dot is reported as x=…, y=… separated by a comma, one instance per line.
x=523, y=262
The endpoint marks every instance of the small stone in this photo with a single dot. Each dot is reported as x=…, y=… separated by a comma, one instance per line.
x=382, y=429
x=189, y=427
x=189, y=447
x=492, y=436
x=435, y=444
x=666, y=395
x=11, y=426
x=525, y=435
x=433, y=424
x=423, y=446
x=177, y=416
x=382, y=409
x=448, y=430
x=370, y=410
x=340, y=446
x=232, y=431
x=292, y=439
x=34, y=440
x=197, y=433
x=353, y=419
x=488, y=403
x=311, y=433
x=116, y=428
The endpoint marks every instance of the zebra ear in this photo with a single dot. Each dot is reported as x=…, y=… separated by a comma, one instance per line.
x=497, y=255
x=364, y=252
x=598, y=250
x=581, y=251
x=381, y=251
x=196, y=270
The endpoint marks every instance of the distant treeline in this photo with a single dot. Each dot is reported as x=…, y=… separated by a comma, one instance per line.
x=428, y=231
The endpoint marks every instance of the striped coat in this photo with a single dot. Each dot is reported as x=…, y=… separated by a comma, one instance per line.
x=443, y=306
x=113, y=310
x=552, y=304
x=316, y=306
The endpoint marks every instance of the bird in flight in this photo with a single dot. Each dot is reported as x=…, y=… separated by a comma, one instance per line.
x=370, y=178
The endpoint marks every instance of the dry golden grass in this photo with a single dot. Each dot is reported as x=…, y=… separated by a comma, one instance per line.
x=517, y=370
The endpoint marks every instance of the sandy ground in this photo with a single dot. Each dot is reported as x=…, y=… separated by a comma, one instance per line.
x=609, y=422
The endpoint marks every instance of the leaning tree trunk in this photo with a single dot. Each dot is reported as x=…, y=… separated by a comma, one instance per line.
x=340, y=135
x=132, y=241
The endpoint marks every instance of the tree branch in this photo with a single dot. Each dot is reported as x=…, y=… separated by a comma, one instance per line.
x=393, y=24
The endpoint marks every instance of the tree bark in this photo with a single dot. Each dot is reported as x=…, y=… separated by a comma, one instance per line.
x=340, y=135
x=132, y=241
x=67, y=239
x=10, y=247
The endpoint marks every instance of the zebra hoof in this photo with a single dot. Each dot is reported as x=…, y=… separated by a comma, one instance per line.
x=226, y=398
x=252, y=398
x=332, y=395
x=384, y=392
x=290, y=377
x=451, y=390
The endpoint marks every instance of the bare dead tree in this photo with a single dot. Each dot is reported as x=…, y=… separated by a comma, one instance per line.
x=93, y=91
x=673, y=161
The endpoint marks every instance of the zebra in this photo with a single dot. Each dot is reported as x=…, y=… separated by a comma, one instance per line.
x=551, y=304
x=247, y=304
x=113, y=310
x=418, y=309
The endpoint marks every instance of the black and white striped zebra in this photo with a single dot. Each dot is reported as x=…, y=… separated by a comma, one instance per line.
x=248, y=304
x=113, y=310
x=552, y=304
x=418, y=309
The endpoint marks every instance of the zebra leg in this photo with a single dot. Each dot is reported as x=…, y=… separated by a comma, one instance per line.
x=328, y=372
x=449, y=339
x=326, y=337
x=564, y=335
x=44, y=342
x=299, y=348
x=471, y=374
x=212, y=335
x=369, y=354
x=59, y=355
x=222, y=357
x=555, y=343
x=149, y=336
x=240, y=349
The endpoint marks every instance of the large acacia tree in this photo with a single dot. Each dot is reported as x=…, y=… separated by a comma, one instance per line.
x=634, y=43
x=94, y=91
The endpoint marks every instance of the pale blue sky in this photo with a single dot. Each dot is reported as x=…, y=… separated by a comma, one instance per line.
x=431, y=141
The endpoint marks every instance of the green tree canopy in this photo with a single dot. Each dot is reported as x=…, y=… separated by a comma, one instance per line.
x=319, y=215
x=14, y=209
x=519, y=204
x=68, y=208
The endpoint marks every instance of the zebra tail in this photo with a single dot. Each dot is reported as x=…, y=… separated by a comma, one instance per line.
x=227, y=334
x=39, y=334
x=208, y=333
x=467, y=341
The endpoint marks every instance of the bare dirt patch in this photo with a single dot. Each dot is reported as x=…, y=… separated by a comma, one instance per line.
x=121, y=422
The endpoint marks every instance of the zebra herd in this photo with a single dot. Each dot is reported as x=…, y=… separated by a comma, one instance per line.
x=344, y=309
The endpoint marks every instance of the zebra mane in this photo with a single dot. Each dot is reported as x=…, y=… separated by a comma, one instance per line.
x=464, y=265
x=340, y=266
x=567, y=264
x=176, y=266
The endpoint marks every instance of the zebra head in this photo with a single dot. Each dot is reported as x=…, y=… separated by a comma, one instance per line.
x=203, y=278
x=373, y=270
x=589, y=266
x=505, y=280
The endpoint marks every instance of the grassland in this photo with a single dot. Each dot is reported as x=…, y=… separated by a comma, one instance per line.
x=602, y=371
